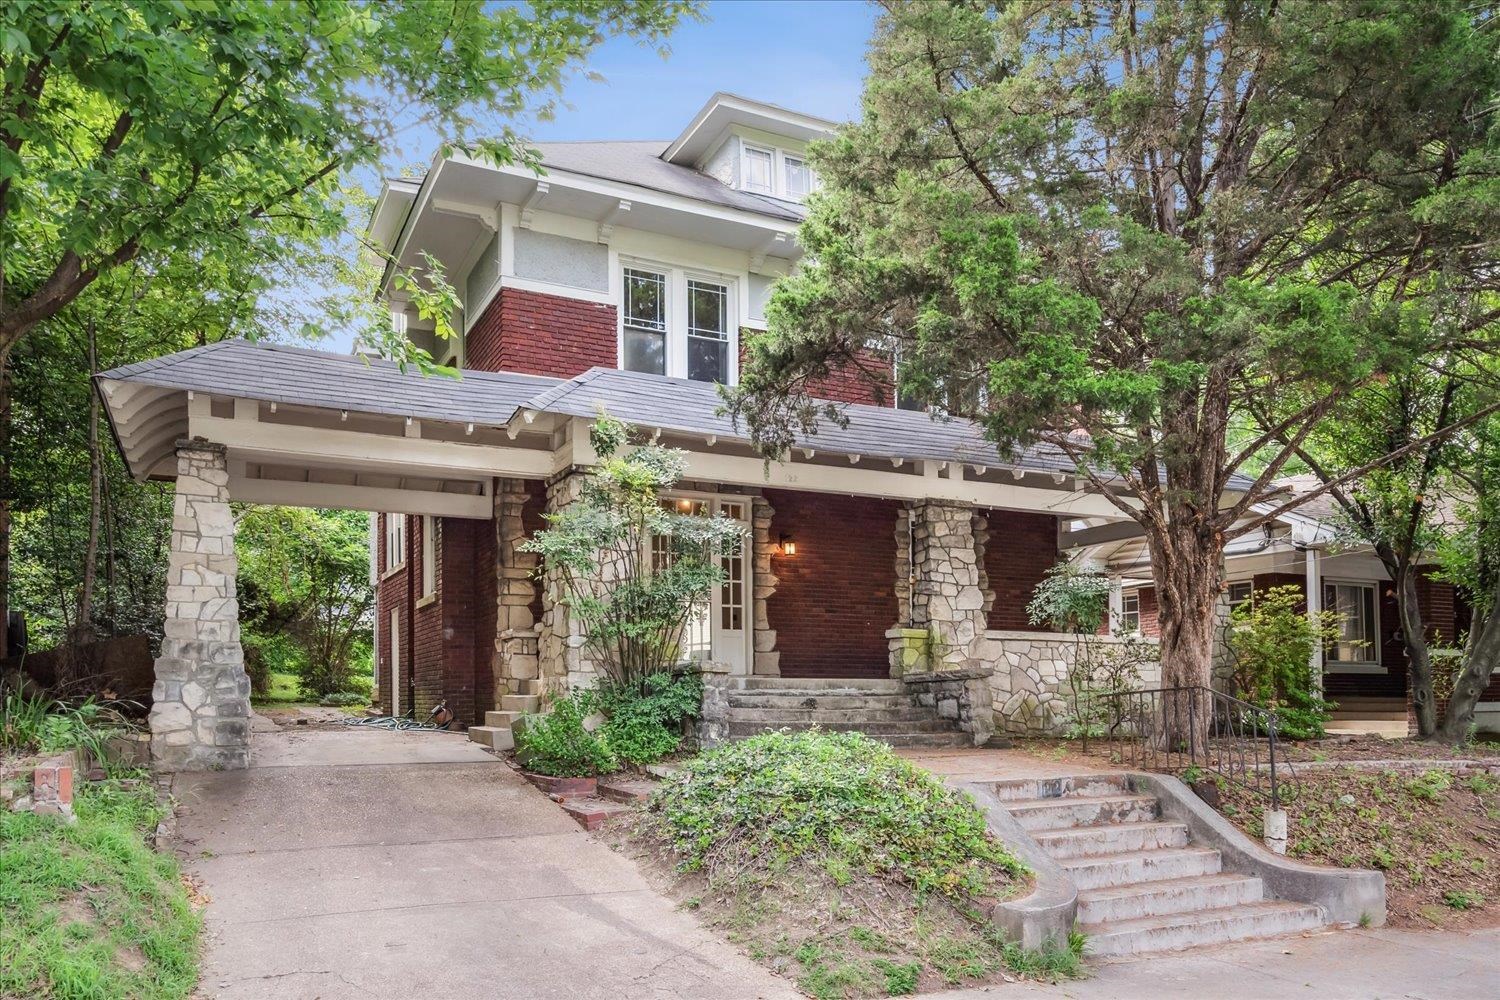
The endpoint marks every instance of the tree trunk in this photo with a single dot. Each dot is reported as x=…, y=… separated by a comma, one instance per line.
x=1419, y=662
x=96, y=476
x=1479, y=666
x=1187, y=570
x=5, y=489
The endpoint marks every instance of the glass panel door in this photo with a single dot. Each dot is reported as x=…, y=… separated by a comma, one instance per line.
x=731, y=604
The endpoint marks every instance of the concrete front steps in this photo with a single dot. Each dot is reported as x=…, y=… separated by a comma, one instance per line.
x=878, y=707
x=1143, y=886
x=496, y=731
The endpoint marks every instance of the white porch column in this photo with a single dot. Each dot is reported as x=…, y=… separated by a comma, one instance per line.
x=200, y=713
x=1314, y=607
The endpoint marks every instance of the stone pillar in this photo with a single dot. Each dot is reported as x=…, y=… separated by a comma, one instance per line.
x=947, y=596
x=200, y=715
x=514, y=658
x=763, y=547
x=563, y=660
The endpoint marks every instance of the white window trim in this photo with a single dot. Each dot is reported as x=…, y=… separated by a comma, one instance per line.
x=1133, y=593
x=746, y=148
x=677, y=312
x=779, y=156
x=394, y=540
x=1229, y=584
x=1332, y=666
x=429, y=561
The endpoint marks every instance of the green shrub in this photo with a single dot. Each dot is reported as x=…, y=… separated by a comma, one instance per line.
x=900, y=977
x=557, y=743
x=1429, y=786
x=643, y=722
x=1270, y=641
x=35, y=723
x=345, y=699
x=1461, y=899
x=822, y=797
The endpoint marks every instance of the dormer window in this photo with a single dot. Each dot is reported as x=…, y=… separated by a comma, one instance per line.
x=760, y=170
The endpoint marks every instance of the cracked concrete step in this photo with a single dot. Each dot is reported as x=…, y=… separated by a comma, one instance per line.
x=1111, y=838
x=591, y=811
x=853, y=701
x=908, y=713
x=1270, y=918
x=1082, y=810
x=1178, y=895
x=1086, y=785
x=495, y=737
x=1101, y=871
x=740, y=728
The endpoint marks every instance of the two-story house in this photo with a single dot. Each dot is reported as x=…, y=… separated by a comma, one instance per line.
x=623, y=275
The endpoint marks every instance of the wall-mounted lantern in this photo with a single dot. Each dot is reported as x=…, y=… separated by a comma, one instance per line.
x=788, y=546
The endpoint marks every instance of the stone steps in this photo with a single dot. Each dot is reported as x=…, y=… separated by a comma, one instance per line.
x=829, y=717
x=494, y=737
x=739, y=729
x=1082, y=810
x=1111, y=838
x=1268, y=918
x=847, y=701
x=1178, y=895
x=884, y=685
x=592, y=811
x=1143, y=886
x=502, y=720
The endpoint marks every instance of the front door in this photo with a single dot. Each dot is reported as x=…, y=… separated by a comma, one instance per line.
x=729, y=609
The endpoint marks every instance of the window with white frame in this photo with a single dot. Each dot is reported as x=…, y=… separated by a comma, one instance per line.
x=798, y=177
x=1238, y=592
x=429, y=555
x=395, y=540
x=674, y=322
x=760, y=170
x=1354, y=603
x=645, y=320
x=1130, y=611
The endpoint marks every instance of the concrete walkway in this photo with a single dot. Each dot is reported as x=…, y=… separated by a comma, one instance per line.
x=378, y=864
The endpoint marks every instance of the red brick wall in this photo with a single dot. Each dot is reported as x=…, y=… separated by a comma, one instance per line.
x=1150, y=612
x=391, y=593
x=851, y=384
x=538, y=334
x=1022, y=547
x=836, y=597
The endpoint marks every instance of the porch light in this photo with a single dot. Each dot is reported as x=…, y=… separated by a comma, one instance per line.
x=788, y=546
x=685, y=505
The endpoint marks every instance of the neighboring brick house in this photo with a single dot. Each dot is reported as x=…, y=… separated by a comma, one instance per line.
x=1365, y=673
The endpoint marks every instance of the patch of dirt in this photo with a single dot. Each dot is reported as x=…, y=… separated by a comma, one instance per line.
x=1434, y=833
x=850, y=936
x=75, y=908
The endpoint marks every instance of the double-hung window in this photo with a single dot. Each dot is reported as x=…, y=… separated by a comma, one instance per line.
x=1239, y=592
x=1354, y=603
x=645, y=317
x=760, y=170
x=395, y=541
x=1130, y=611
x=798, y=177
x=676, y=323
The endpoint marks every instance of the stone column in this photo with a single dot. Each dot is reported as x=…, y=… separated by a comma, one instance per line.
x=947, y=593
x=515, y=655
x=763, y=548
x=200, y=715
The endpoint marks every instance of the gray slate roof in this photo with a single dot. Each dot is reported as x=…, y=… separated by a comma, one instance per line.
x=640, y=163
x=283, y=374
x=876, y=432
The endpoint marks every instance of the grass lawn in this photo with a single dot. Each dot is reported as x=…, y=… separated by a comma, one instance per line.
x=283, y=690
x=90, y=911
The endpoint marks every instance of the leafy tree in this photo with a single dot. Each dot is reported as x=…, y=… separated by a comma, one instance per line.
x=1109, y=229
x=306, y=573
x=634, y=569
x=164, y=131
x=1271, y=639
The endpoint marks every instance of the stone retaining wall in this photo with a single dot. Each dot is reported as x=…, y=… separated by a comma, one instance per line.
x=1030, y=678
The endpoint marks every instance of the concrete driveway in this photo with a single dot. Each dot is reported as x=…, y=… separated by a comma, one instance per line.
x=378, y=864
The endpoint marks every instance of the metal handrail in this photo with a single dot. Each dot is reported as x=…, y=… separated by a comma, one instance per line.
x=1172, y=729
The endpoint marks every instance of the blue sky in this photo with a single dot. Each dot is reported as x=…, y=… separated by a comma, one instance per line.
x=808, y=56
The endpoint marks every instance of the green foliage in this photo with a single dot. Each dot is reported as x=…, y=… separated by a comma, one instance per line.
x=1462, y=899
x=345, y=699
x=1271, y=640
x=1070, y=598
x=1429, y=786
x=643, y=726
x=900, y=977
x=135, y=130
x=635, y=568
x=1166, y=240
x=35, y=723
x=89, y=910
x=781, y=797
x=558, y=743
x=305, y=593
